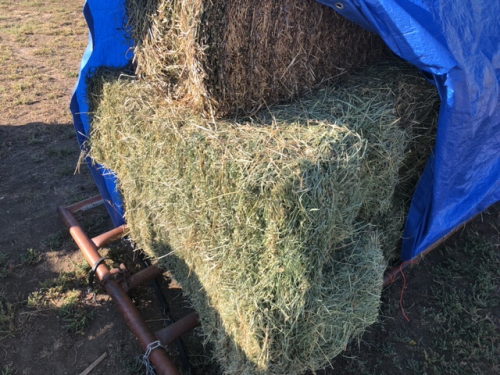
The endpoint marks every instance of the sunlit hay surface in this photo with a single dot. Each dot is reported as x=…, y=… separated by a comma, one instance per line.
x=271, y=224
x=230, y=56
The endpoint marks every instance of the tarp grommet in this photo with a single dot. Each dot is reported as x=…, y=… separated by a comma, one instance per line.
x=339, y=5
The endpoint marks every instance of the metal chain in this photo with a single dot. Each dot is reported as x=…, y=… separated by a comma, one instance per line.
x=150, y=370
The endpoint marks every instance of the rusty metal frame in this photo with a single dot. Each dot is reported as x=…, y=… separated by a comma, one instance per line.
x=118, y=289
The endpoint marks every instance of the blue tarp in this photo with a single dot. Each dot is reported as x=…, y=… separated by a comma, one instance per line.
x=456, y=42
x=108, y=45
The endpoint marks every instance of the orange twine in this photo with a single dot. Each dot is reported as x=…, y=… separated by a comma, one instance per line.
x=404, y=286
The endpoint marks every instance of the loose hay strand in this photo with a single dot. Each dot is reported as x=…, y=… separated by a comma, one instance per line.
x=275, y=226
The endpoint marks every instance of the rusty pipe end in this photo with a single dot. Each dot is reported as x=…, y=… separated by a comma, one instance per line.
x=171, y=333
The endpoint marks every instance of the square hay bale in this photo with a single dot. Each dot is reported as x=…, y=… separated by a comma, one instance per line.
x=274, y=225
x=227, y=56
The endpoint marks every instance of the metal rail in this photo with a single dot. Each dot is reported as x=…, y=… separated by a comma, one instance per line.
x=118, y=290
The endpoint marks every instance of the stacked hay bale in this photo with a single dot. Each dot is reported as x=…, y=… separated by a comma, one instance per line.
x=234, y=56
x=275, y=225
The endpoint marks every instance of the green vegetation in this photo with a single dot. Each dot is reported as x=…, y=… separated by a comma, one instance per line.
x=465, y=294
x=8, y=369
x=132, y=364
x=7, y=318
x=30, y=257
x=4, y=266
x=66, y=294
x=56, y=240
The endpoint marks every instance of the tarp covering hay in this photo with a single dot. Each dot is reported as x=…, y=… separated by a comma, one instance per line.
x=229, y=56
x=273, y=225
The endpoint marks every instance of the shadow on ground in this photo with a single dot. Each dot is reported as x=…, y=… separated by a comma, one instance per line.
x=37, y=173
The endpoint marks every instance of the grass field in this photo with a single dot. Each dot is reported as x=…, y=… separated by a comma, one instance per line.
x=49, y=324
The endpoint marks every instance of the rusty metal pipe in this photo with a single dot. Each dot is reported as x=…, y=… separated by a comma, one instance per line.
x=158, y=357
x=108, y=237
x=141, y=277
x=87, y=247
x=169, y=334
x=87, y=204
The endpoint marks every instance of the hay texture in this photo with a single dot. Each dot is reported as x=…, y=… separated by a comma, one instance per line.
x=231, y=56
x=267, y=223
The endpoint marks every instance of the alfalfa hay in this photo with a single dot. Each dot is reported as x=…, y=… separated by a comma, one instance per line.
x=234, y=56
x=268, y=223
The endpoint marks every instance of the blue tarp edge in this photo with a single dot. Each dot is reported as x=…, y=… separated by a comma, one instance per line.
x=108, y=46
x=459, y=44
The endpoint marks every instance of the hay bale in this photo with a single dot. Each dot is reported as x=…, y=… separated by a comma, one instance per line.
x=267, y=222
x=231, y=56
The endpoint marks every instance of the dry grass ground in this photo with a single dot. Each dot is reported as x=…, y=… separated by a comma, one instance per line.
x=48, y=325
x=40, y=45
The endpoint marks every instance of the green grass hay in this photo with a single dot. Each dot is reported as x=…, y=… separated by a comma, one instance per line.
x=228, y=56
x=276, y=225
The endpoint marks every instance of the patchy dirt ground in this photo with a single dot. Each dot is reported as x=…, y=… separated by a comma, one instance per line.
x=41, y=44
x=50, y=325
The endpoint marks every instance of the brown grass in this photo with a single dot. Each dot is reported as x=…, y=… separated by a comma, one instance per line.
x=38, y=70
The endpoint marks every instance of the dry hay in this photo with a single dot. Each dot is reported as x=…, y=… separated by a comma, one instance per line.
x=232, y=55
x=270, y=224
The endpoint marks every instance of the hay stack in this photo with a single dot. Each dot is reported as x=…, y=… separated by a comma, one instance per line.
x=270, y=224
x=232, y=56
